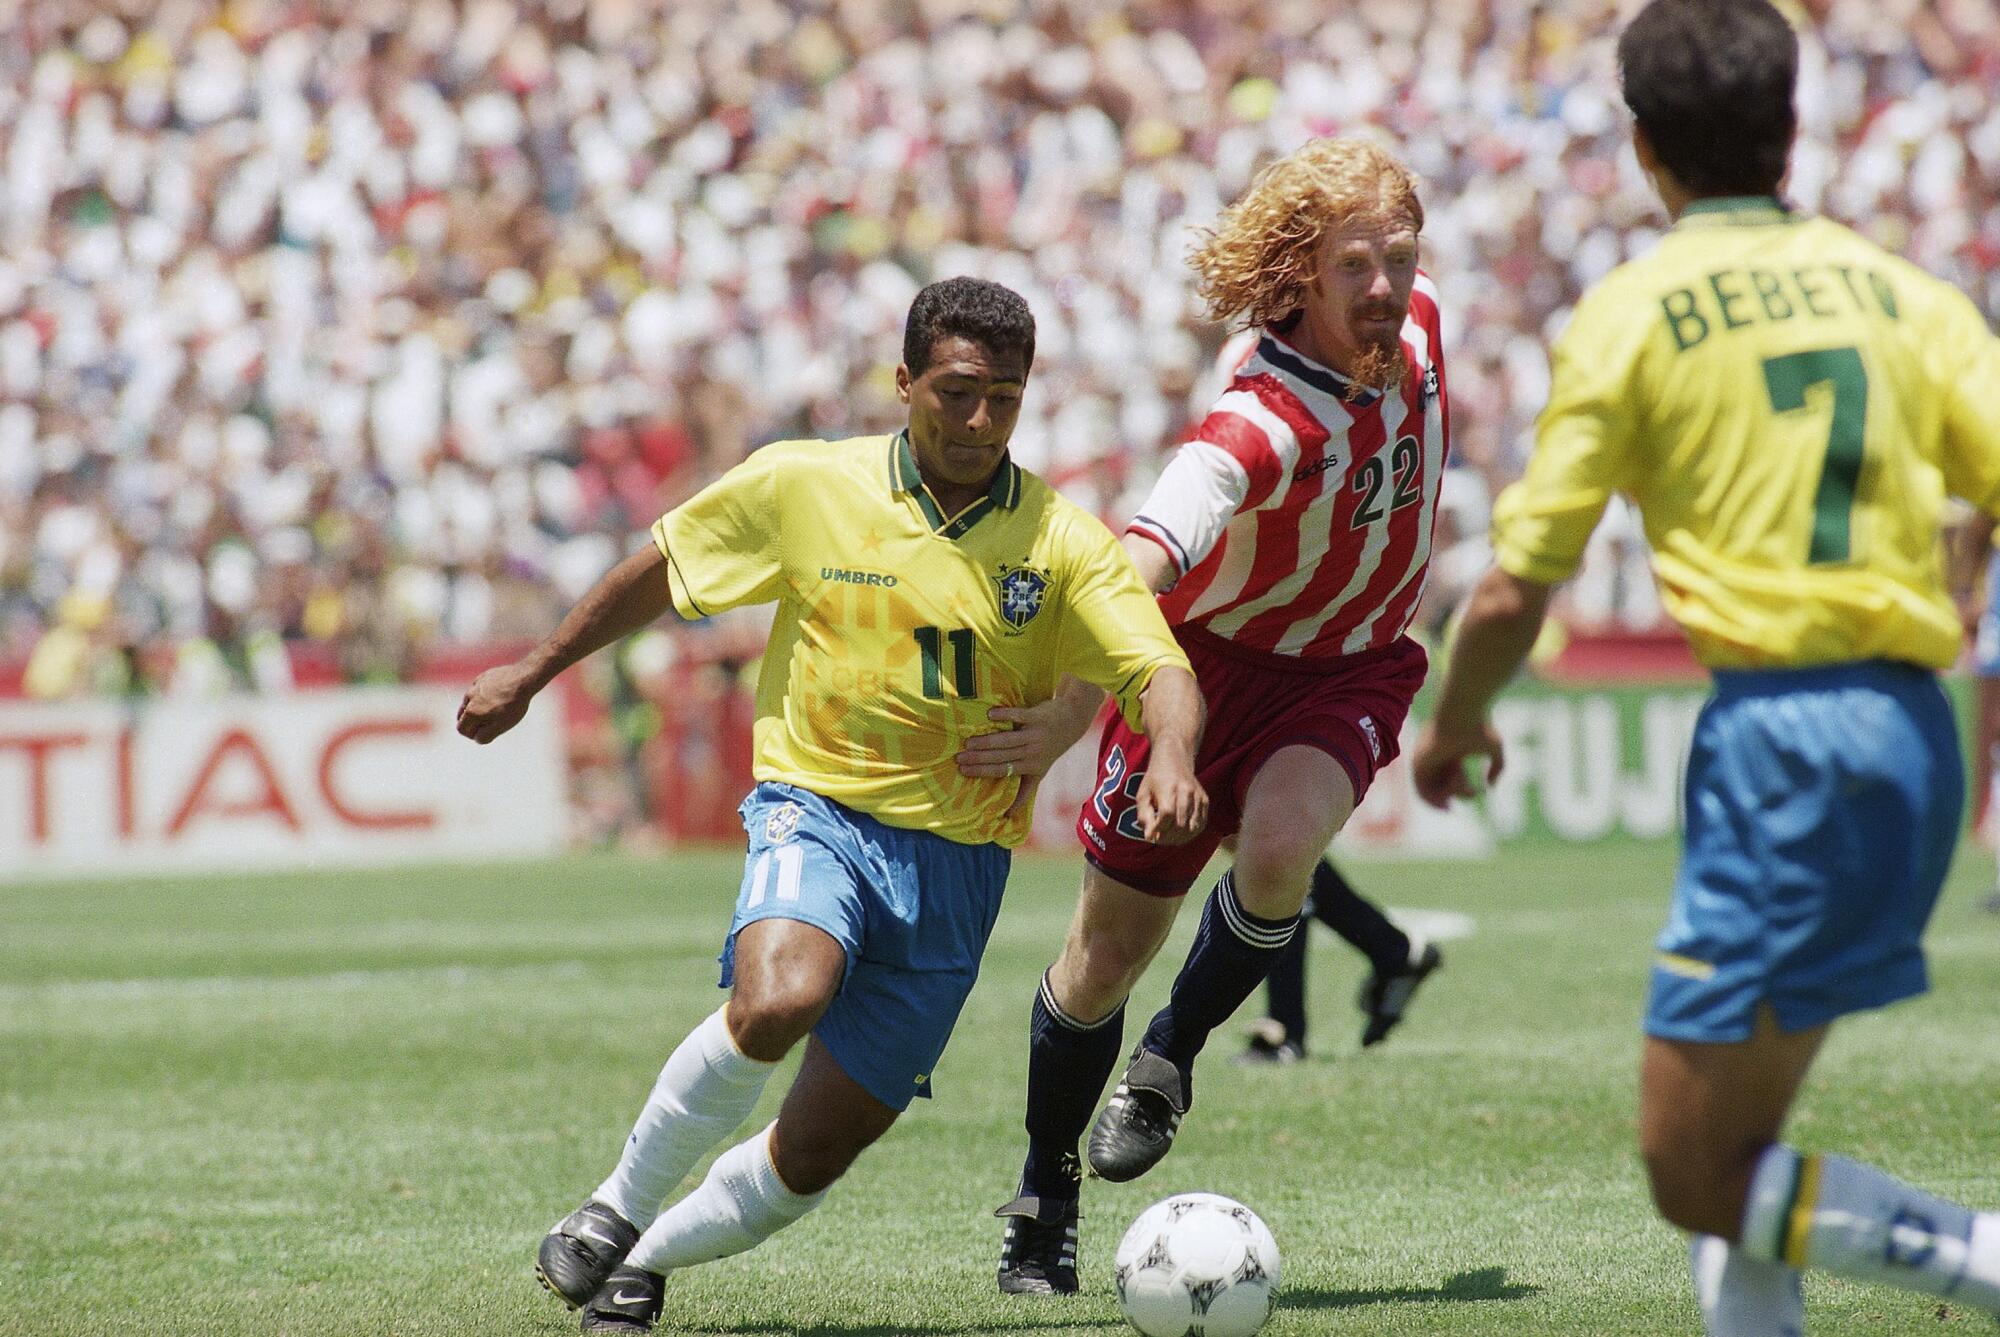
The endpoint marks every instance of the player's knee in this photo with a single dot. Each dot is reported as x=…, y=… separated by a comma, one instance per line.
x=1274, y=874
x=811, y=1160
x=768, y=1021
x=1697, y=1192
x=1681, y=1197
x=1099, y=967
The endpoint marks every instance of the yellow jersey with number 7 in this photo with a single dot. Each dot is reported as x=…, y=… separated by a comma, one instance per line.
x=1788, y=405
x=899, y=627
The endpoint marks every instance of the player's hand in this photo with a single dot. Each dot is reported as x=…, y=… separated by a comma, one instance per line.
x=1437, y=766
x=1173, y=807
x=498, y=700
x=1038, y=737
x=1971, y=608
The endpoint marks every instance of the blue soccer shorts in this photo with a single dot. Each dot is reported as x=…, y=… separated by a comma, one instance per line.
x=1823, y=805
x=912, y=909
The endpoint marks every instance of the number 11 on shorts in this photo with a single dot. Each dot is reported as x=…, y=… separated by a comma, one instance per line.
x=791, y=861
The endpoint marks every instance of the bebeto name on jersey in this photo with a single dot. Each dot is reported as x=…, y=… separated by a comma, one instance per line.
x=1736, y=299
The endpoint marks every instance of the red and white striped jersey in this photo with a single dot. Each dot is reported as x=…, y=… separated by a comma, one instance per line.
x=1300, y=522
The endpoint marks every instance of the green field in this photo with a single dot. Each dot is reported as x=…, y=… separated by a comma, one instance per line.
x=353, y=1103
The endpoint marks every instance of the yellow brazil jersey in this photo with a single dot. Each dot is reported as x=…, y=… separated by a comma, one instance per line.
x=1788, y=405
x=899, y=627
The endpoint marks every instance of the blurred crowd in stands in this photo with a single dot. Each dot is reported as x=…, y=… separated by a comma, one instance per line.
x=374, y=327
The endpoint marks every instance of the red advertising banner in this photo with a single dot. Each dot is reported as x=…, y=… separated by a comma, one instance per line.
x=316, y=779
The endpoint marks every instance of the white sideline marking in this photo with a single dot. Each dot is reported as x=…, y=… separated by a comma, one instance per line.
x=338, y=981
x=1437, y=925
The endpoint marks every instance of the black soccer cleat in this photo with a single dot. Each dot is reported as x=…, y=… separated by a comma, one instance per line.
x=629, y=1301
x=1134, y=1131
x=1384, y=997
x=580, y=1252
x=1038, y=1252
x=1270, y=1045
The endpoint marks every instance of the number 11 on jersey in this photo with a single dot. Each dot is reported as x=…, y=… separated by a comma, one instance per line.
x=964, y=668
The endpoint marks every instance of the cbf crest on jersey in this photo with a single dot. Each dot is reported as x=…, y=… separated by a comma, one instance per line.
x=1022, y=591
x=778, y=827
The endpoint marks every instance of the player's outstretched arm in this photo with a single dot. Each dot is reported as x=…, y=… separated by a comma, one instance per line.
x=1173, y=807
x=1501, y=623
x=1967, y=550
x=1150, y=560
x=1033, y=738
x=1041, y=733
x=630, y=596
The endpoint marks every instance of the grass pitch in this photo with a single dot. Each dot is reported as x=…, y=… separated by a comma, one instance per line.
x=352, y=1104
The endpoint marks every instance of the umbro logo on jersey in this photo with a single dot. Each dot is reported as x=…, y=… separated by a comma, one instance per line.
x=841, y=575
x=1431, y=385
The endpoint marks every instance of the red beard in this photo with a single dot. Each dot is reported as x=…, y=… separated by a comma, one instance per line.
x=1379, y=368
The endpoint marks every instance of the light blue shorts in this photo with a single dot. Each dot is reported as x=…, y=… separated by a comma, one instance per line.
x=1823, y=805
x=912, y=909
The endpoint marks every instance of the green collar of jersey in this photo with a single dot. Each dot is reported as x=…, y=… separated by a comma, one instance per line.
x=904, y=477
x=1736, y=211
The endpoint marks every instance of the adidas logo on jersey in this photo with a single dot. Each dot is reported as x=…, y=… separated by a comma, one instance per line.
x=1316, y=468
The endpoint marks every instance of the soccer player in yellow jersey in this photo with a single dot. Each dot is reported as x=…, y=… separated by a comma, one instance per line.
x=922, y=580
x=1788, y=406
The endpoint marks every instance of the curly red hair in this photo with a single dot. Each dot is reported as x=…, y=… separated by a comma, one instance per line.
x=1261, y=256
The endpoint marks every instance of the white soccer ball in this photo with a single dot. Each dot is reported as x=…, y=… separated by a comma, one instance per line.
x=1197, y=1265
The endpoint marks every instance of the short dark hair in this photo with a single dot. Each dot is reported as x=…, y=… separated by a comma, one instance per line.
x=990, y=315
x=1710, y=83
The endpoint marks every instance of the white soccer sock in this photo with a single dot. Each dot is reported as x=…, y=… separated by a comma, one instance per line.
x=1854, y=1220
x=706, y=1090
x=741, y=1204
x=1741, y=1296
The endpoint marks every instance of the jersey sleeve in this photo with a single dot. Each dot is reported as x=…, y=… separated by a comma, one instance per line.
x=1971, y=417
x=1583, y=447
x=1114, y=634
x=722, y=544
x=1241, y=458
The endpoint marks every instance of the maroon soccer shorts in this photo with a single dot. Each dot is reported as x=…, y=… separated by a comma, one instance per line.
x=1352, y=710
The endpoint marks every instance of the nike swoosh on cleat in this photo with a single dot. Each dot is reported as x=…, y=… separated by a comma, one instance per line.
x=585, y=1232
x=621, y=1298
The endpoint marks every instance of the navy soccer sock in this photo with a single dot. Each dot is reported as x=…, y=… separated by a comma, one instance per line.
x=1342, y=909
x=1286, y=988
x=1233, y=951
x=1069, y=1062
